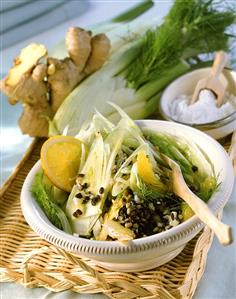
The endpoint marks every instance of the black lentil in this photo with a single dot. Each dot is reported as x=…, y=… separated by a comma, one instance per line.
x=84, y=201
x=81, y=175
x=194, y=168
x=107, y=205
x=101, y=190
x=124, y=200
x=95, y=200
x=77, y=213
x=85, y=185
x=147, y=217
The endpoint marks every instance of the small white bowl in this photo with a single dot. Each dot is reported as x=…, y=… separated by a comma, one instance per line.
x=147, y=252
x=186, y=85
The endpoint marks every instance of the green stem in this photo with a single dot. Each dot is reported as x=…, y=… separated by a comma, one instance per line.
x=157, y=85
x=134, y=12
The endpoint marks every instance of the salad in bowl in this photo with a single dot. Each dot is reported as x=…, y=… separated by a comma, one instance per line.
x=108, y=194
x=121, y=189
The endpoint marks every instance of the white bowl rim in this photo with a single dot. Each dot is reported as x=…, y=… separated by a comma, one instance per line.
x=84, y=246
x=203, y=126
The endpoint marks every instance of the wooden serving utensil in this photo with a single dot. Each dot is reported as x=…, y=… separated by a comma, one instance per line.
x=180, y=188
x=212, y=82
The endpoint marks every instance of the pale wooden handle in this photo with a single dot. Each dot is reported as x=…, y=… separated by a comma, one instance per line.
x=221, y=59
x=222, y=231
x=180, y=188
x=196, y=93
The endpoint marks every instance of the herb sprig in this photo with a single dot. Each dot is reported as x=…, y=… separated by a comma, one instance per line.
x=191, y=28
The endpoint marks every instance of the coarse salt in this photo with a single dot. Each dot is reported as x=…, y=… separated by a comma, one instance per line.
x=204, y=110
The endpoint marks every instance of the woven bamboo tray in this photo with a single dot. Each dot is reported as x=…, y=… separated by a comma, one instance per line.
x=29, y=260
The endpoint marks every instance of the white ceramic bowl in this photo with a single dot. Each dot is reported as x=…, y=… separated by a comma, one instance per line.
x=186, y=85
x=144, y=253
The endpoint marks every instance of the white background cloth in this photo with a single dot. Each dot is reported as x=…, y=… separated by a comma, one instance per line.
x=219, y=279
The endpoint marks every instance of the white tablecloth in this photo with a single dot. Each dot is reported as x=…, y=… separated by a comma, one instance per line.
x=219, y=279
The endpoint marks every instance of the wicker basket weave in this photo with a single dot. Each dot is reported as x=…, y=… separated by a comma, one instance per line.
x=29, y=260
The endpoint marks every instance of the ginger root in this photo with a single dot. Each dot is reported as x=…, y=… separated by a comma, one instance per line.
x=100, y=50
x=42, y=86
x=86, y=55
x=25, y=83
x=78, y=44
x=63, y=77
x=26, y=61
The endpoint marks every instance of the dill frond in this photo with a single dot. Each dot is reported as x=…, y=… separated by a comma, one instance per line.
x=191, y=28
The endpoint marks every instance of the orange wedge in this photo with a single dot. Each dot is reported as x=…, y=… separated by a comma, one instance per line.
x=60, y=159
x=145, y=169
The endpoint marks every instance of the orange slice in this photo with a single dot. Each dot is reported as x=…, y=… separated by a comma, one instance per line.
x=60, y=158
x=145, y=169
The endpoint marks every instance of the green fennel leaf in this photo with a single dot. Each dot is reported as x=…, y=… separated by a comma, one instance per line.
x=42, y=194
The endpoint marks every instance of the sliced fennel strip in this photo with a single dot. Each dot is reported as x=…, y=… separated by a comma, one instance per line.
x=128, y=160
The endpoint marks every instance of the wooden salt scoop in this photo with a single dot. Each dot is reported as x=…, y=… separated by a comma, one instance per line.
x=213, y=82
x=180, y=188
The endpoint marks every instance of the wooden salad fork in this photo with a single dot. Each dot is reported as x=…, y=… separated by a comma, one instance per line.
x=212, y=82
x=200, y=208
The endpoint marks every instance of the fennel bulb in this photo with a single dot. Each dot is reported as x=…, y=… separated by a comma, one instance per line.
x=141, y=65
